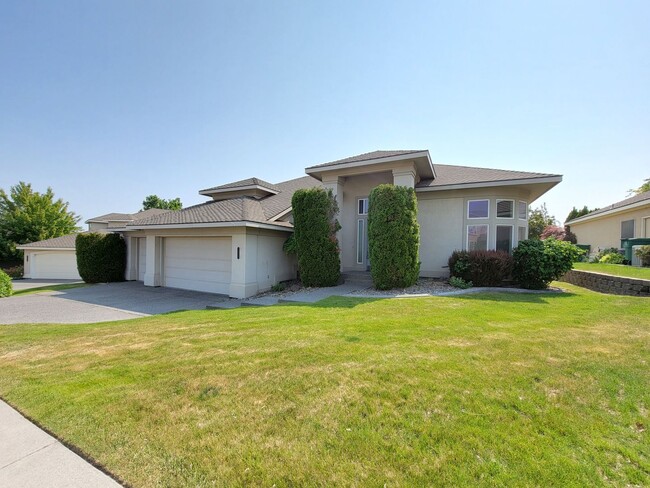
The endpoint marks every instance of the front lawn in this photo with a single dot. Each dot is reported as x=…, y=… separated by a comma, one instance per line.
x=484, y=389
x=615, y=269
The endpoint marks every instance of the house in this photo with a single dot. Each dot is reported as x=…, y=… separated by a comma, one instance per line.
x=233, y=243
x=606, y=227
x=57, y=259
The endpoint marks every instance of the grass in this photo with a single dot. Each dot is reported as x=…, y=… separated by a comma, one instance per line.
x=615, y=269
x=42, y=289
x=480, y=390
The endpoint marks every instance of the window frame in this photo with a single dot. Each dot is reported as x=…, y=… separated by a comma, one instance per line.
x=487, y=236
x=525, y=227
x=479, y=200
x=519, y=213
x=512, y=236
x=633, y=228
x=512, y=208
x=365, y=205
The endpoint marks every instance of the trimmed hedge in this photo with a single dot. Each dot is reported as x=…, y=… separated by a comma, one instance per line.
x=6, y=288
x=101, y=258
x=537, y=263
x=315, y=242
x=482, y=268
x=393, y=237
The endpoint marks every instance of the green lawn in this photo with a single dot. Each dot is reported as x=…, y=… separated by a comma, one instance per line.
x=615, y=269
x=485, y=389
x=41, y=289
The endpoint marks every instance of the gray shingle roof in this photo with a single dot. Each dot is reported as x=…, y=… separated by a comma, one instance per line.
x=63, y=242
x=623, y=203
x=123, y=217
x=368, y=157
x=447, y=175
x=244, y=183
x=239, y=209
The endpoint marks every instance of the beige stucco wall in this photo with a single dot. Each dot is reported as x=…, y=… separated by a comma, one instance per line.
x=95, y=226
x=605, y=231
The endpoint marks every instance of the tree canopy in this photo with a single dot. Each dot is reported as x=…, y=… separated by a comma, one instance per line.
x=28, y=216
x=645, y=186
x=154, y=201
x=575, y=213
x=538, y=220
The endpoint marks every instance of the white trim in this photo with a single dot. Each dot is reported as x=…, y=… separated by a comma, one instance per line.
x=388, y=159
x=646, y=226
x=518, y=214
x=479, y=200
x=512, y=235
x=23, y=248
x=496, y=212
x=281, y=214
x=361, y=241
x=232, y=189
x=624, y=208
x=487, y=238
x=484, y=184
x=203, y=225
x=365, y=206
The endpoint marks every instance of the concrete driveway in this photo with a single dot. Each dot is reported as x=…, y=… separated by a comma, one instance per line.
x=101, y=303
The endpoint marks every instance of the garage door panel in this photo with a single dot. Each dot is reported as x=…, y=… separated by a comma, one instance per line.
x=201, y=264
x=54, y=266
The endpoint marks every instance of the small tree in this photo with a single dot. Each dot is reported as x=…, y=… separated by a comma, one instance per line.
x=538, y=220
x=393, y=237
x=645, y=186
x=101, y=258
x=154, y=201
x=315, y=228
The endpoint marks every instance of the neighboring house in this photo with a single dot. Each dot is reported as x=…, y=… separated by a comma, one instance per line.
x=604, y=228
x=57, y=259
x=233, y=243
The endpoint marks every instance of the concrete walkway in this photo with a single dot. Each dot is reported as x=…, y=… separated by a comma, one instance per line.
x=30, y=457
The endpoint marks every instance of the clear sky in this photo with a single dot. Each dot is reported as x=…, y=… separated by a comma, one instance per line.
x=109, y=101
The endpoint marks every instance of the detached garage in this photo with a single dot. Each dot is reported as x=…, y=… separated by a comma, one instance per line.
x=52, y=259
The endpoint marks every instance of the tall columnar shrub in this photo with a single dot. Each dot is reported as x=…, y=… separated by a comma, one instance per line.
x=537, y=263
x=101, y=258
x=6, y=289
x=393, y=237
x=315, y=228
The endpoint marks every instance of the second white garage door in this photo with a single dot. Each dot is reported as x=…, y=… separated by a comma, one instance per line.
x=197, y=263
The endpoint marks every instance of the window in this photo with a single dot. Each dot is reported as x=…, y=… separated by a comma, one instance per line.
x=360, y=234
x=522, y=235
x=505, y=209
x=523, y=210
x=627, y=229
x=363, y=206
x=477, y=237
x=478, y=209
x=504, y=238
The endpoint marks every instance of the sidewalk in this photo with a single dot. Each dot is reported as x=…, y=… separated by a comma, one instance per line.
x=29, y=457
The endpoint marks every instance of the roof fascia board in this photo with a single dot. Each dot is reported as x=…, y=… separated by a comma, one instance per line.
x=281, y=214
x=355, y=164
x=485, y=184
x=238, y=188
x=27, y=248
x=203, y=225
x=611, y=211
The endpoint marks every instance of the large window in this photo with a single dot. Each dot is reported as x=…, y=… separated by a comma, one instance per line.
x=523, y=210
x=363, y=206
x=504, y=238
x=478, y=209
x=505, y=209
x=477, y=237
x=627, y=229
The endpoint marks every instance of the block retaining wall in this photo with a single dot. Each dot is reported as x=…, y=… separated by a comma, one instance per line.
x=614, y=285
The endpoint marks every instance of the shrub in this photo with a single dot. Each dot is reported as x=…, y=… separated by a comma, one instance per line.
x=604, y=252
x=6, y=288
x=537, y=263
x=393, y=237
x=101, y=258
x=482, y=268
x=643, y=254
x=559, y=233
x=612, y=258
x=15, y=271
x=457, y=282
x=315, y=228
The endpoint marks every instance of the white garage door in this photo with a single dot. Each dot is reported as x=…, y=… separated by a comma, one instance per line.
x=54, y=265
x=201, y=263
x=142, y=258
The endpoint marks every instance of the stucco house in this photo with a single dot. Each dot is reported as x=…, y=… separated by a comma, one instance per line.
x=606, y=227
x=56, y=258
x=232, y=243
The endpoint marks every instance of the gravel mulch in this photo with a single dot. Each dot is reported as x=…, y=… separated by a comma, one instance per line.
x=424, y=286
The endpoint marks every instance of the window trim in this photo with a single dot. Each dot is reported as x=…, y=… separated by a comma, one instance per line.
x=360, y=239
x=633, y=228
x=525, y=227
x=497, y=208
x=487, y=238
x=365, y=205
x=479, y=200
x=512, y=236
x=519, y=214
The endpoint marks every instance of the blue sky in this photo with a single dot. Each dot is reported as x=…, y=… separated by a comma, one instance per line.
x=107, y=102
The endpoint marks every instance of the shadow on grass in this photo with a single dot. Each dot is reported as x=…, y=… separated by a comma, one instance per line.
x=530, y=297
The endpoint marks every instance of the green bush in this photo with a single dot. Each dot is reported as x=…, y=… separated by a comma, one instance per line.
x=315, y=228
x=101, y=258
x=605, y=252
x=537, y=263
x=482, y=268
x=6, y=288
x=643, y=254
x=612, y=258
x=458, y=282
x=393, y=237
x=15, y=271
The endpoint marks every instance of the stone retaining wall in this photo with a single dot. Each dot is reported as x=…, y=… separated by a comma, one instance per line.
x=604, y=283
